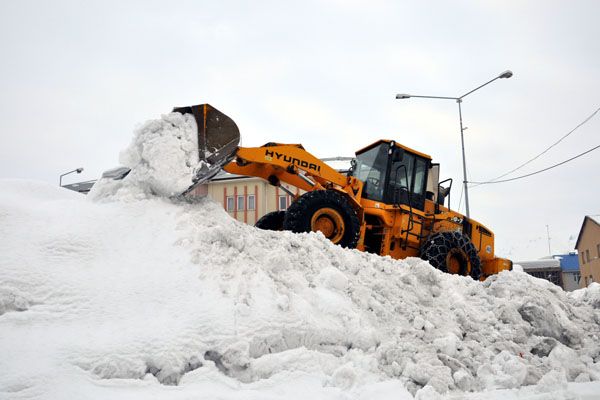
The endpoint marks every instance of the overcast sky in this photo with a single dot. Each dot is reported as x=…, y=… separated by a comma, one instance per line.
x=77, y=77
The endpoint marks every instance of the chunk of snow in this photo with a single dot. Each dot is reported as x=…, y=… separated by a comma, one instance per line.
x=162, y=156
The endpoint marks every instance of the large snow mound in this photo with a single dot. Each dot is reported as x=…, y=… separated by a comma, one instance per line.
x=126, y=298
x=162, y=156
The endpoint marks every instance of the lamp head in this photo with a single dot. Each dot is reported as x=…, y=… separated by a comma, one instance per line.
x=506, y=74
x=79, y=170
x=403, y=96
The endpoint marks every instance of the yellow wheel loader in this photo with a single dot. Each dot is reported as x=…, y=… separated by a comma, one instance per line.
x=391, y=202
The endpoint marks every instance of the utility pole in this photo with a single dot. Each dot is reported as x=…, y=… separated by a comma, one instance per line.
x=505, y=75
x=548, y=234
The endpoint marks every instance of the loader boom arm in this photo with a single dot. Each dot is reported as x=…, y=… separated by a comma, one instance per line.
x=291, y=164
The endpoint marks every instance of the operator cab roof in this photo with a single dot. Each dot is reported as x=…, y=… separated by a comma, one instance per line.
x=405, y=148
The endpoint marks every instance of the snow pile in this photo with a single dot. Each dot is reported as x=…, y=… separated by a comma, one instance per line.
x=162, y=157
x=147, y=297
x=129, y=298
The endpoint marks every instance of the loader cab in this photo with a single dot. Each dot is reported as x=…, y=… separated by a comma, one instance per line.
x=393, y=174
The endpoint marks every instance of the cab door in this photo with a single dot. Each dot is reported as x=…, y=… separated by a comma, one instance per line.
x=408, y=180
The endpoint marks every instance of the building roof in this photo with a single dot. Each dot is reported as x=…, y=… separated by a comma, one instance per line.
x=594, y=219
x=547, y=263
x=226, y=176
x=81, y=187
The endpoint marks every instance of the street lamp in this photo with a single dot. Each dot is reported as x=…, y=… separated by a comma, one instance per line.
x=78, y=170
x=505, y=75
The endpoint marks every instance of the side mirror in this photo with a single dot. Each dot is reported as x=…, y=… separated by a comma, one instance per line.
x=352, y=167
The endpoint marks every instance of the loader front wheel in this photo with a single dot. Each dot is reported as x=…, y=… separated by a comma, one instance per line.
x=326, y=211
x=452, y=252
x=272, y=221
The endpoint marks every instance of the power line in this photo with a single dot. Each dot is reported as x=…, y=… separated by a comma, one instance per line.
x=546, y=149
x=541, y=170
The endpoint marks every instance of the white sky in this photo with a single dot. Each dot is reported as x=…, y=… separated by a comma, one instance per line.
x=77, y=77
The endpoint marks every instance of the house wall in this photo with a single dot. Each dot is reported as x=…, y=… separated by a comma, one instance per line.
x=589, y=253
x=571, y=281
x=220, y=191
x=267, y=197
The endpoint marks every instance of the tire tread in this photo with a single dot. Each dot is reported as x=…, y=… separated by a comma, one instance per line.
x=297, y=216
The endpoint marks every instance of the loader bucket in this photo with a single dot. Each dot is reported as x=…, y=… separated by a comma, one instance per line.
x=218, y=139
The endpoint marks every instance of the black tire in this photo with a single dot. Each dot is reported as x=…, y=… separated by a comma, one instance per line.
x=272, y=221
x=452, y=252
x=328, y=210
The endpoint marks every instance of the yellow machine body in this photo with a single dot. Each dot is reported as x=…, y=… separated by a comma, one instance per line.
x=391, y=202
x=397, y=230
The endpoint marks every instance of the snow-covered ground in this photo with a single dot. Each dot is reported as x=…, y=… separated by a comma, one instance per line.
x=128, y=294
x=153, y=298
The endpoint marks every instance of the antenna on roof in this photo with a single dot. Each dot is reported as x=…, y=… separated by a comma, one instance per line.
x=548, y=233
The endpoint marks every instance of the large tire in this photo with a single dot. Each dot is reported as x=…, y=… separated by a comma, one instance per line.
x=326, y=211
x=452, y=252
x=272, y=221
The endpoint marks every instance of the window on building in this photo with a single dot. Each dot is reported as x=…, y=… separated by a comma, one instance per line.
x=552, y=276
x=240, y=203
x=229, y=203
x=282, y=202
x=251, y=201
x=598, y=248
x=587, y=256
x=582, y=259
x=576, y=277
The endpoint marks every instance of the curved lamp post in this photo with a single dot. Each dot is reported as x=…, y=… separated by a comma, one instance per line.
x=505, y=75
x=78, y=170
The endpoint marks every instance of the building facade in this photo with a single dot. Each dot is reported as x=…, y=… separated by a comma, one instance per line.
x=588, y=250
x=560, y=269
x=247, y=198
x=546, y=268
x=569, y=265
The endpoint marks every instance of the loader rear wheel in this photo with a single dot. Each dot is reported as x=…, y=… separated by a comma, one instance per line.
x=326, y=211
x=272, y=221
x=452, y=252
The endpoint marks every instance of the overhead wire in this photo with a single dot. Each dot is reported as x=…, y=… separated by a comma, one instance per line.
x=539, y=171
x=540, y=154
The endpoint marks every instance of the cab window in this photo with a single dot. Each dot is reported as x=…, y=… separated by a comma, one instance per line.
x=371, y=167
x=420, y=176
x=404, y=174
